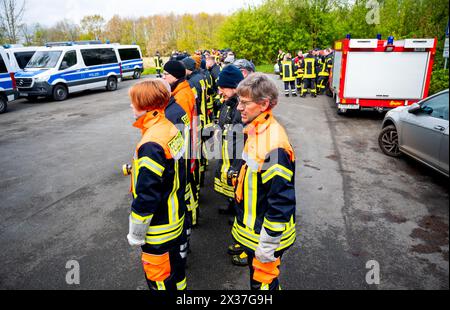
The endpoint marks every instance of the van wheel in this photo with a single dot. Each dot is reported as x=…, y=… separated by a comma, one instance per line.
x=388, y=141
x=111, y=84
x=137, y=74
x=3, y=105
x=60, y=92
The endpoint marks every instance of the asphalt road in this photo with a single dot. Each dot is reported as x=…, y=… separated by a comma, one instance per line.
x=63, y=198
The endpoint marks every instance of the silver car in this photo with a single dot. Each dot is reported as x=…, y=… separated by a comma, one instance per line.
x=420, y=131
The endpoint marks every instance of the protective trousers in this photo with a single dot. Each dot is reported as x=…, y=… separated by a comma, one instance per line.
x=322, y=84
x=292, y=86
x=309, y=83
x=166, y=271
x=264, y=277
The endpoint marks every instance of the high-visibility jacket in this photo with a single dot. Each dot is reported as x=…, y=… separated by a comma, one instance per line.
x=280, y=56
x=325, y=66
x=232, y=144
x=288, y=71
x=158, y=181
x=158, y=62
x=265, y=192
x=309, y=67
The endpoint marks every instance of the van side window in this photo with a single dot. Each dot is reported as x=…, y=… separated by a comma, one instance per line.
x=3, y=66
x=129, y=53
x=70, y=58
x=100, y=56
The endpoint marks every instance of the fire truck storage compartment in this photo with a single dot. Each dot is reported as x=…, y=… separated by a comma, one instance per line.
x=388, y=75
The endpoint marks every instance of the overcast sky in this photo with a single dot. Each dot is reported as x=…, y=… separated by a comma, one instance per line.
x=48, y=12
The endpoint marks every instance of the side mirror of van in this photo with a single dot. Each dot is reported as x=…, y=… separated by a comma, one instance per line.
x=64, y=65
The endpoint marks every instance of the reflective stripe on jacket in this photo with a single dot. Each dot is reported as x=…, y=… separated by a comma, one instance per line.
x=287, y=69
x=309, y=67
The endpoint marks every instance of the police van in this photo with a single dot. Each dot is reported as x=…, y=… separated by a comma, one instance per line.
x=7, y=82
x=131, y=60
x=19, y=56
x=60, y=69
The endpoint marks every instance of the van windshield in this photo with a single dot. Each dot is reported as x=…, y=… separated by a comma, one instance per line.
x=44, y=59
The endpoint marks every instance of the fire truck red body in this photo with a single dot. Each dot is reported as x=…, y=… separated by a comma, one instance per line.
x=381, y=74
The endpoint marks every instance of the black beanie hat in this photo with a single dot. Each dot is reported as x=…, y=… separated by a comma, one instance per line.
x=230, y=77
x=189, y=63
x=175, y=68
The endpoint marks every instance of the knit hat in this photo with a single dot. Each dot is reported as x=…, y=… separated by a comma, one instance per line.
x=189, y=63
x=175, y=68
x=230, y=77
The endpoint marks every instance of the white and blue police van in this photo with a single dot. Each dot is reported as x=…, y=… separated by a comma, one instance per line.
x=60, y=69
x=7, y=82
x=19, y=56
x=131, y=60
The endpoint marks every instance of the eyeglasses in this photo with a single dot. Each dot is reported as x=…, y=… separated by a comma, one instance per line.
x=245, y=103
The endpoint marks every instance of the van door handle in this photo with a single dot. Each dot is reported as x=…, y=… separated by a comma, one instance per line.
x=440, y=128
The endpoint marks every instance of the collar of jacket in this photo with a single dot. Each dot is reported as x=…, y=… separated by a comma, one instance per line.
x=232, y=101
x=148, y=120
x=180, y=86
x=259, y=124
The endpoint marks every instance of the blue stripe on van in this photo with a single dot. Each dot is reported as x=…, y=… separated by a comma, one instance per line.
x=28, y=74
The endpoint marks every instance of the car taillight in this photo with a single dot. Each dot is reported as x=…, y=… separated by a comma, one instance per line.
x=13, y=79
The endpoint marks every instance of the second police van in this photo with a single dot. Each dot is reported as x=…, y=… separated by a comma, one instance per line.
x=7, y=82
x=62, y=68
x=131, y=60
x=19, y=56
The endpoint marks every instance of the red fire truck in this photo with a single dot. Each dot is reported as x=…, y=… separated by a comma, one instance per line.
x=381, y=74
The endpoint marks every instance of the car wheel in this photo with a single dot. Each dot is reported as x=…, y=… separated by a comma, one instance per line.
x=388, y=141
x=3, y=105
x=60, y=92
x=137, y=74
x=111, y=84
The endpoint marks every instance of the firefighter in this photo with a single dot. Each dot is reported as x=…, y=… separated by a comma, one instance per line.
x=231, y=141
x=198, y=86
x=246, y=67
x=324, y=73
x=265, y=191
x=289, y=74
x=309, y=74
x=181, y=92
x=158, y=64
x=280, y=58
x=156, y=222
x=298, y=60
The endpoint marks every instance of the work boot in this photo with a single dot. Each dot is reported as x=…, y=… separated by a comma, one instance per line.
x=235, y=249
x=314, y=95
x=240, y=260
x=294, y=95
x=287, y=95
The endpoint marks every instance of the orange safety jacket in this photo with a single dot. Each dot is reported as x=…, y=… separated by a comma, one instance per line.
x=265, y=192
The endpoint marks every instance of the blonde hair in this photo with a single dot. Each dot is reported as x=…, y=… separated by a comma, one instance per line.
x=150, y=95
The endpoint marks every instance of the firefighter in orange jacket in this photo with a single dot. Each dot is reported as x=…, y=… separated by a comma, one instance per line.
x=156, y=222
x=265, y=191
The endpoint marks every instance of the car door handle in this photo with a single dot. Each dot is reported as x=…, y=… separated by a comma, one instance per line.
x=440, y=128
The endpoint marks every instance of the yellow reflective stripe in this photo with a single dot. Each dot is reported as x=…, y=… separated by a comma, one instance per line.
x=194, y=90
x=160, y=229
x=151, y=165
x=139, y=218
x=277, y=170
x=173, y=197
x=264, y=287
x=181, y=286
x=134, y=176
x=250, y=197
x=161, y=286
x=154, y=240
x=250, y=239
x=274, y=226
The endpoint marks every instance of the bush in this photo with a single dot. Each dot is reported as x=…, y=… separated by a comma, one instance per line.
x=439, y=81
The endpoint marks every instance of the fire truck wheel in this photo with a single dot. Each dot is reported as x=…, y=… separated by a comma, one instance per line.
x=388, y=141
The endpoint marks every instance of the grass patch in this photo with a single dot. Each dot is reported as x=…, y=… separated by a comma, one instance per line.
x=148, y=71
x=265, y=68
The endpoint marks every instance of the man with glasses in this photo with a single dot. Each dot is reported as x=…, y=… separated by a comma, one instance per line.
x=265, y=191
